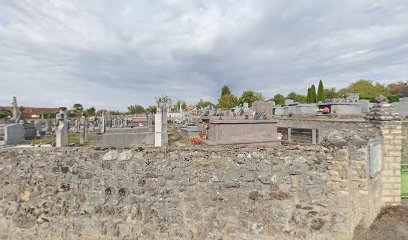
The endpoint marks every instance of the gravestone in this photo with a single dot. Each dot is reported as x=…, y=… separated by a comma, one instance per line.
x=62, y=133
x=350, y=97
x=257, y=115
x=364, y=105
x=241, y=112
x=48, y=127
x=189, y=131
x=14, y=134
x=289, y=102
x=263, y=108
x=401, y=107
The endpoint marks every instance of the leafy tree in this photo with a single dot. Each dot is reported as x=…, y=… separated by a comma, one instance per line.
x=321, y=96
x=176, y=106
x=366, y=89
x=279, y=99
x=202, y=104
x=90, y=111
x=331, y=93
x=297, y=97
x=250, y=97
x=227, y=101
x=77, y=109
x=99, y=112
x=313, y=97
x=116, y=113
x=4, y=114
x=309, y=96
x=136, y=109
x=151, y=109
x=49, y=115
x=225, y=90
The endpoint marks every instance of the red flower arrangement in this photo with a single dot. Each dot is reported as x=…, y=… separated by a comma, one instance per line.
x=195, y=140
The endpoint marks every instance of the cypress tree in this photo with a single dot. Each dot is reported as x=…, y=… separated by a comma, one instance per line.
x=308, y=100
x=321, y=95
x=313, y=97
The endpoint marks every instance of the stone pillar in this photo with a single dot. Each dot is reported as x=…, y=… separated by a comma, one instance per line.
x=391, y=178
x=103, y=123
x=384, y=116
x=158, y=130
x=86, y=129
x=82, y=130
x=62, y=133
x=163, y=106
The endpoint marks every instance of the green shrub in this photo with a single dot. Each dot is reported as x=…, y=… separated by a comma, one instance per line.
x=4, y=114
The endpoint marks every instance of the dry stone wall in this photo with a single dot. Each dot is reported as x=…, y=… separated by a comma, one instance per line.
x=289, y=192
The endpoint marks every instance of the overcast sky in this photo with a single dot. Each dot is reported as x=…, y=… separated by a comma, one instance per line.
x=110, y=54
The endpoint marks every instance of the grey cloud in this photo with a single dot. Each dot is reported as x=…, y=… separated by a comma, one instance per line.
x=110, y=54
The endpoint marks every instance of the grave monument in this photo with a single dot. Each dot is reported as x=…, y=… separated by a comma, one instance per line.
x=62, y=133
x=82, y=129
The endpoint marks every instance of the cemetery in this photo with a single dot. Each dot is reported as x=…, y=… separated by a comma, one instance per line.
x=258, y=171
x=207, y=120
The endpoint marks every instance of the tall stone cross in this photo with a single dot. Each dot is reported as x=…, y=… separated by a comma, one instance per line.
x=62, y=133
x=103, y=123
x=82, y=129
x=160, y=123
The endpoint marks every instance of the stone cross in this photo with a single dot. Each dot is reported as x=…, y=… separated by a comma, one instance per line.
x=62, y=133
x=17, y=113
x=103, y=123
x=15, y=108
x=160, y=128
x=86, y=129
x=82, y=129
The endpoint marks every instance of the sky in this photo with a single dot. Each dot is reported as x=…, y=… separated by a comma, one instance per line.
x=111, y=54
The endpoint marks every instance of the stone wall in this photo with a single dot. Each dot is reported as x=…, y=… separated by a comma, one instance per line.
x=288, y=192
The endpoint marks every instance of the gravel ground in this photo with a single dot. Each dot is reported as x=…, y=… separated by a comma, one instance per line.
x=391, y=223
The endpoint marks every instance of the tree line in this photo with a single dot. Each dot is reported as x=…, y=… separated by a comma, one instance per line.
x=366, y=89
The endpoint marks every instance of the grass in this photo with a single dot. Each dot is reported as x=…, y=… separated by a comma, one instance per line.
x=73, y=139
